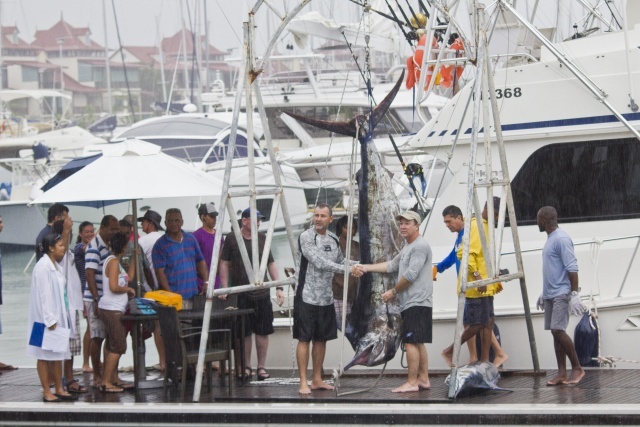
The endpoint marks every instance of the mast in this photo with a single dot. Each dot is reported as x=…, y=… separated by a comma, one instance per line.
x=106, y=55
x=161, y=56
x=184, y=52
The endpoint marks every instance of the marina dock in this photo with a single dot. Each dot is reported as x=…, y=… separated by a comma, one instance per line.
x=604, y=397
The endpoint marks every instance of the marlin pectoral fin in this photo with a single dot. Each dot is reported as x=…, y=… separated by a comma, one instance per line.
x=343, y=128
x=378, y=113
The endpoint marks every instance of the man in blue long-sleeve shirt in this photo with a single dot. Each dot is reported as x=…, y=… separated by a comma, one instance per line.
x=454, y=221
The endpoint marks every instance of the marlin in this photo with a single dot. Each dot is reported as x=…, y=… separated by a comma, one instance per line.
x=373, y=328
x=474, y=378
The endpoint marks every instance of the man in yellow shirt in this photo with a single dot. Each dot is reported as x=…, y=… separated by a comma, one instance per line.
x=478, y=308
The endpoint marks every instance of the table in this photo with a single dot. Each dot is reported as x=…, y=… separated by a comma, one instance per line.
x=140, y=373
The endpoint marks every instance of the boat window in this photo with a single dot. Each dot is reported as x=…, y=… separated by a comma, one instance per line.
x=193, y=127
x=409, y=118
x=586, y=181
x=190, y=150
x=219, y=152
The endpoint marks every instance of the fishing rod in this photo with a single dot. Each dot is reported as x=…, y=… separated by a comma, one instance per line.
x=408, y=37
x=384, y=15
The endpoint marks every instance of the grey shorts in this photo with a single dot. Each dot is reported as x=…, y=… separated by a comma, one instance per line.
x=96, y=326
x=556, y=313
x=75, y=343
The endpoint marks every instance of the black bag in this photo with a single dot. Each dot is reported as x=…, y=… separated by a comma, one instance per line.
x=586, y=340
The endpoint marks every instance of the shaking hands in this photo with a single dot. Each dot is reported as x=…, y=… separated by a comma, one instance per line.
x=358, y=270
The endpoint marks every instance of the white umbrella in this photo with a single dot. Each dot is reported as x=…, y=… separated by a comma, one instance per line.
x=133, y=170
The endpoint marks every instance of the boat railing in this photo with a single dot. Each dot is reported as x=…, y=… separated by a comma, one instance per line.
x=597, y=243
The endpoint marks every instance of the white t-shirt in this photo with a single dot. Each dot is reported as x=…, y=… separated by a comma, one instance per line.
x=109, y=300
x=146, y=242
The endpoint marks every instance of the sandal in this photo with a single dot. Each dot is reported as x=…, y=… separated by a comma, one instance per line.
x=111, y=389
x=79, y=388
x=247, y=374
x=263, y=374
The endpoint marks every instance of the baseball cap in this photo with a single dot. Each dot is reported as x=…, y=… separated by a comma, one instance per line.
x=207, y=209
x=154, y=217
x=247, y=214
x=410, y=215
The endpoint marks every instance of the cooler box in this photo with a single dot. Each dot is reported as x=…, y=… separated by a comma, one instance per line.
x=166, y=298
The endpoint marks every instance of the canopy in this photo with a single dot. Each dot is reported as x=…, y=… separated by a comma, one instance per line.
x=133, y=169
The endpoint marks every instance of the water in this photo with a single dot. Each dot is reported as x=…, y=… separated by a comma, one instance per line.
x=14, y=310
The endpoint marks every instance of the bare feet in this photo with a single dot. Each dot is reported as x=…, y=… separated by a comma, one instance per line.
x=448, y=356
x=321, y=386
x=576, y=376
x=87, y=369
x=304, y=389
x=424, y=385
x=500, y=359
x=406, y=387
x=557, y=380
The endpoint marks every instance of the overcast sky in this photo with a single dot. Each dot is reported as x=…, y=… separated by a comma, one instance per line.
x=137, y=18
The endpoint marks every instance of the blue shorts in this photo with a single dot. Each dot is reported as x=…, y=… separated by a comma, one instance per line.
x=478, y=311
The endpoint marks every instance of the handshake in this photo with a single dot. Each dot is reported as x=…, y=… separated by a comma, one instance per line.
x=358, y=270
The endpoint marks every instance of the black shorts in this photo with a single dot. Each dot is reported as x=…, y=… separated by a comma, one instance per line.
x=416, y=325
x=261, y=321
x=314, y=322
x=478, y=311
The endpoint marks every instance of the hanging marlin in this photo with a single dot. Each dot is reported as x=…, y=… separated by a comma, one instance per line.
x=373, y=328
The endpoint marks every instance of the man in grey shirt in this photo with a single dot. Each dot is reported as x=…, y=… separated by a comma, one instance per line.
x=314, y=315
x=560, y=294
x=414, y=290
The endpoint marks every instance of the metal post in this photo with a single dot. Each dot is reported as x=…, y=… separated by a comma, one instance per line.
x=464, y=264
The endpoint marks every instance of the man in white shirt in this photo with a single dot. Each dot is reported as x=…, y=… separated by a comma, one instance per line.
x=151, y=226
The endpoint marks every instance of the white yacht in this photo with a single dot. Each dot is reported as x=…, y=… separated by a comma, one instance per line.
x=203, y=141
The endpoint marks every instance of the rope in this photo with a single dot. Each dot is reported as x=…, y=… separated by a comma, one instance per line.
x=594, y=250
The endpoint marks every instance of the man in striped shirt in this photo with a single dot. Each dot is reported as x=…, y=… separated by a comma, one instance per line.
x=97, y=252
x=178, y=260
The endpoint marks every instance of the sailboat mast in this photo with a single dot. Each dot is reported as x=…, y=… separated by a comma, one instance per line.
x=106, y=58
x=184, y=52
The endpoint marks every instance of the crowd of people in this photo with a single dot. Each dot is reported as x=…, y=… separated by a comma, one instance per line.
x=95, y=279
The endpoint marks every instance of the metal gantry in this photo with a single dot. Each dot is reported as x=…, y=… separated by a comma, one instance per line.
x=250, y=69
x=485, y=104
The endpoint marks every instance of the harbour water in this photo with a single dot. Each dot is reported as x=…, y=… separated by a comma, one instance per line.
x=15, y=295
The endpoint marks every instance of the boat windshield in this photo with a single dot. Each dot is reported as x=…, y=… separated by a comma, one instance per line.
x=219, y=152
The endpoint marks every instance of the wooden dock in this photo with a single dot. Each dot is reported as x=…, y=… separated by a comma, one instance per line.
x=605, y=396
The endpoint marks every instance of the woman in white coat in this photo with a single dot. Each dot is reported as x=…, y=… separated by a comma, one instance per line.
x=48, y=306
x=75, y=305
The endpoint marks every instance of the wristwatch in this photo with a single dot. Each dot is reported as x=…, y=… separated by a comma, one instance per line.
x=574, y=293
x=394, y=291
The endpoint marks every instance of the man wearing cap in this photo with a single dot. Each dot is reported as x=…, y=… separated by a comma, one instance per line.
x=314, y=314
x=414, y=290
x=478, y=306
x=150, y=224
x=233, y=273
x=178, y=260
x=206, y=235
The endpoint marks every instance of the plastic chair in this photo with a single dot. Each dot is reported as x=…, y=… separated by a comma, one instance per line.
x=178, y=355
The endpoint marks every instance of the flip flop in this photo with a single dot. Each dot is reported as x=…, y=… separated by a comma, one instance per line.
x=56, y=400
x=263, y=374
x=79, y=389
x=4, y=367
x=112, y=389
x=125, y=385
x=66, y=398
